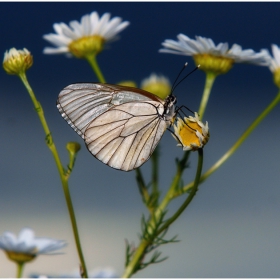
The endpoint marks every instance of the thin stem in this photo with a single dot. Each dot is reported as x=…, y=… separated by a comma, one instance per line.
x=140, y=251
x=40, y=112
x=210, y=78
x=20, y=266
x=74, y=227
x=243, y=137
x=181, y=165
x=154, y=161
x=190, y=196
x=63, y=175
x=143, y=189
x=93, y=63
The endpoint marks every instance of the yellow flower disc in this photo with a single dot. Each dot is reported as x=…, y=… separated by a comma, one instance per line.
x=215, y=64
x=88, y=45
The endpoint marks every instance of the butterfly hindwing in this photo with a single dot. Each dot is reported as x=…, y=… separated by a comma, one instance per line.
x=125, y=136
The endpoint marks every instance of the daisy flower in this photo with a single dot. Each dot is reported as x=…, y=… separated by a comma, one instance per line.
x=17, y=61
x=157, y=84
x=86, y=37
x=26, y=246
x=213, y=58
x=274, y=64
x=191, y=133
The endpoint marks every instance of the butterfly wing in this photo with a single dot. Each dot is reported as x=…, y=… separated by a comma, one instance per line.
x=125, y=136
x=120, y=125
x=81, y=103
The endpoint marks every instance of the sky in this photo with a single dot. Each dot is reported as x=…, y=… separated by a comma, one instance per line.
x=231, y=228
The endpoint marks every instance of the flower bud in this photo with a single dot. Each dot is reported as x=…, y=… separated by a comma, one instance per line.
x=17, y=61
x=73, y=147
x=157, y=85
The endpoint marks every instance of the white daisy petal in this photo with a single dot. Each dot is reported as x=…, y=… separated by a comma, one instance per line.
x=103, y=23
x=57, y=40
x=111, y=33
x=7, y=240
x=189, y=45
x=44, y=246
x=77, y=28
x=276, y=54
x=61, y=50
x=94, y=19
x=67, y=32
x=26, y=235
x=274, y=63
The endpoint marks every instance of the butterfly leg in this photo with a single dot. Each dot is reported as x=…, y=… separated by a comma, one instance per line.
x=178, y=113
x=175, y=136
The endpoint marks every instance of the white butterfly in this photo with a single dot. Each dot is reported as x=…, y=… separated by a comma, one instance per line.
x=121, y=126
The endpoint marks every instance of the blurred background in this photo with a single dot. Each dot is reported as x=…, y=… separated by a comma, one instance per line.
x=231, y=228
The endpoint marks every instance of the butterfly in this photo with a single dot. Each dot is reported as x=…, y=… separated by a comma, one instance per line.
x=121, y=125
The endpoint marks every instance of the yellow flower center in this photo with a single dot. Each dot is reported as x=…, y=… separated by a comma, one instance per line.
x=88, y=45
x=276, y=77
x=212, y=63
x=20, y=257
x=187, y=134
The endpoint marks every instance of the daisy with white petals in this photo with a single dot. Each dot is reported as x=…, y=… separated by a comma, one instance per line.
x=26, y=246
x=87, y=36
x=191, y=133
x=85, y=39
x=215, y=58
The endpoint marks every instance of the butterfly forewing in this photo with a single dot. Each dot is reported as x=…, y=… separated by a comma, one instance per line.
x=121, y=126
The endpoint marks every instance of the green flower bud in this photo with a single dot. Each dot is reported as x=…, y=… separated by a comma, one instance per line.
x=73, y=147
x=17, y=61
x=157, y=85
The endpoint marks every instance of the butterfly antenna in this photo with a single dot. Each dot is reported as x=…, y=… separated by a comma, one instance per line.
x=174, y=83
x=174, y=86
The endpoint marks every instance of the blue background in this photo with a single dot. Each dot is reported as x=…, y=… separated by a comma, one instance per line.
x=231, y=229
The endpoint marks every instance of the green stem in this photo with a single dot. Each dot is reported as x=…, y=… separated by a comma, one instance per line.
x=93, y=63
x=154, y=161
x=140, y=251
x=62, y=173
x=20, y=266
x=190, y=196
x=243, y=137
x=210, y=78
x=143, y=189
x=181, y=165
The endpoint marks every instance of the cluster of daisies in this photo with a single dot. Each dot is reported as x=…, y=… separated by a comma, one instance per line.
x=92, y=33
